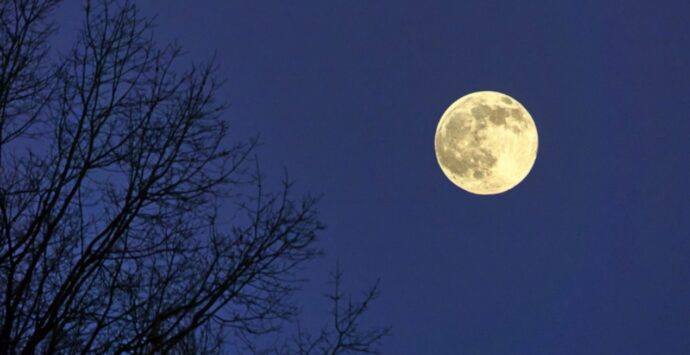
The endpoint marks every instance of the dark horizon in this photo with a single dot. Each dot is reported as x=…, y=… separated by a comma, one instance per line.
x=589, y=254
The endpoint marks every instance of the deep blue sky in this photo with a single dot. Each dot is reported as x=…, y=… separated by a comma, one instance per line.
x=590, y=254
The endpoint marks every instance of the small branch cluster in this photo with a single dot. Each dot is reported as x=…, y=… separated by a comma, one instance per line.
x=344, y=334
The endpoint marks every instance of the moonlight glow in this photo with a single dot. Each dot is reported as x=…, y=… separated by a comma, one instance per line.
x=486, y=142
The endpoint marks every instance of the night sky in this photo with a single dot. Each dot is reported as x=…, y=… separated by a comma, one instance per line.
x=590, y=254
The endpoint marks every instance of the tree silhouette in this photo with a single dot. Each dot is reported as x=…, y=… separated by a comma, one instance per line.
x=114, y=170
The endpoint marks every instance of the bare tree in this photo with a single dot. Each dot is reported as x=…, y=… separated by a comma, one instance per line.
x=114, y=166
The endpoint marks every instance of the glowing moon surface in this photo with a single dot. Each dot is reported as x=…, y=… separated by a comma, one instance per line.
x=486, y=142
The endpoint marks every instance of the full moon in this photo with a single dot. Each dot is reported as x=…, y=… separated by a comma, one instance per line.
x=486, y=142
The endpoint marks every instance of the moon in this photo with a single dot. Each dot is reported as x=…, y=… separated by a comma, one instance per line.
x=486, y=142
